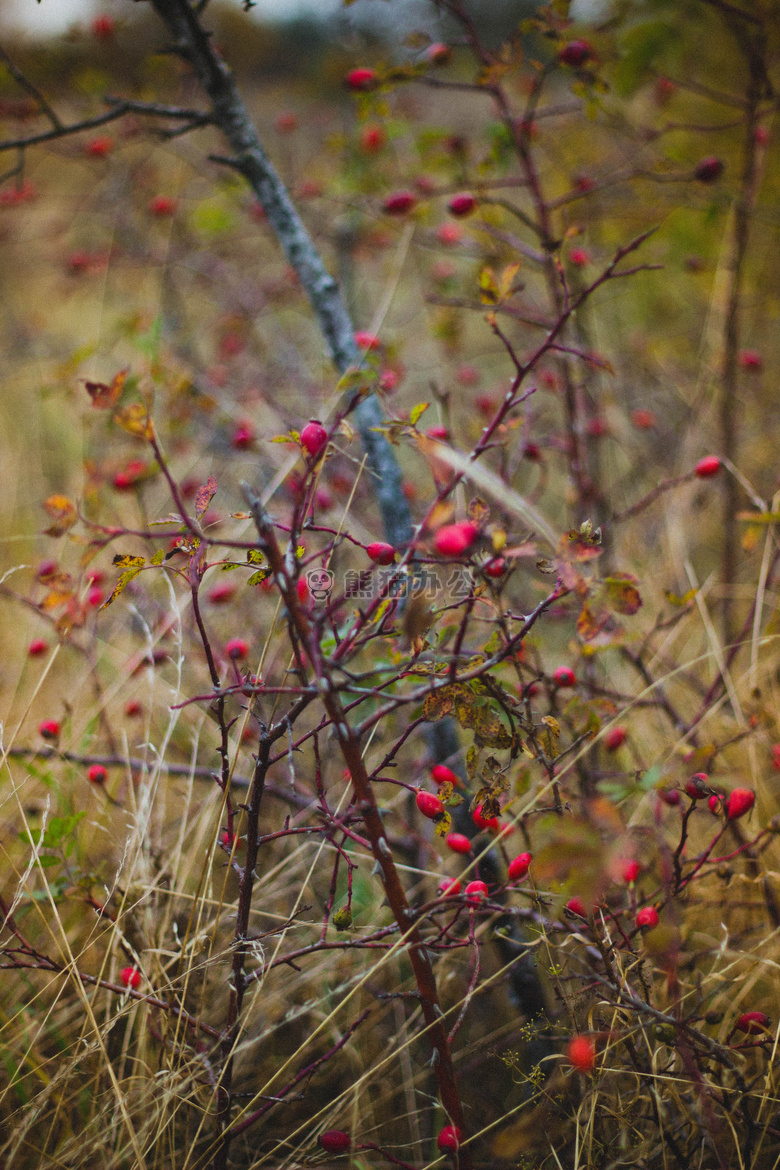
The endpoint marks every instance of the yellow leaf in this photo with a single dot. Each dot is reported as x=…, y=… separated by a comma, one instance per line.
x=127, y=561
x=416, y=413
x=135, y=419
x=63, y=512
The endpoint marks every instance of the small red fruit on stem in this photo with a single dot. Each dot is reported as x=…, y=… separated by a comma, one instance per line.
x=475, y=893
x=335, y=1141
x=615, y=738
x=458, y=843
x=130, y=977
x=576, y=53
x=647, y=918
x=752, y=1023
x=236, y=648
x=97, y=774
x=429, y=805
x=707, y=467
x=360, y=80
x=49, y=728
x=519, y=866
x=455, y=539
x=441, y=774
x=449, y=888
x=481, y=822
x=740, y=801
x=564, y=676
x=37, y=647
x=494, y=568
x=696, y=786
x=449, y=1139
x=669, y=796
x=709, y=169
x=438, y=53
x=162, y=205
x=314, y=438
x=462, y=205
x=399, y=203
x=577, y=906
x=630, y=871
x=381, y=553
x=581, y=1053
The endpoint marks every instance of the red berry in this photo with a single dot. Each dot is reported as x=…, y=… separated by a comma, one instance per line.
x=615, y=738
x=532, y=452
x=162, y=205
x=462, y=205
x=221, y=593
x=303, y=591
x=475, y=892
x=455, y=539
x=669, y=796
x=707, y=467
x=438, y=53
x=751, y=359
x=429, y=805
x=483, y=822
x=519, y=866
x=286, y=122
x=236, y=648
x=243, y=436
x=97, y=774
x=579, y=257
x=776, y=756
x=576, y=53
x=740, y=801
x=437, y=433
x=102, y=28
x=441, y=774
x=399, y=203
x=696, y=785
x=485, y=404
x=630, y=871
x=37, y=646
x=564, y=676
x=709, y=169
x=577, y=906
x=449, y=887
x=335, y=1141
x=366, y=340
x=647, y=918
x=495, y=567
x=95, y=597
x=99, y=147
x=131, y=977
x=49, y=728
x=597, y=427
x=95, y=576
x=449, y=234
x=458, y=843
x=78, y=262
x=467, y=375
x=581, y=1053
x=643, y=420
x=388, y=380
x=714, y=803
x=133, y=708
x=314, y=438
x=752, y=1023
x=360, y=79
x=449, y=1139
x=381, y=553
x=46, y=569
x=372, y=139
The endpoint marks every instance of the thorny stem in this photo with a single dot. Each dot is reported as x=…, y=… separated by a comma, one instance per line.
x=365, y=801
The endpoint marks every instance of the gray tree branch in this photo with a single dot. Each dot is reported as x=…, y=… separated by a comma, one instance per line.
x=230, y=114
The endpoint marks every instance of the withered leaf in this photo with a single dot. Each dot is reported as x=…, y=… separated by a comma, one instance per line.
x=205, y=495
x=62, y=512
x=136, y=420
x=105, y=396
